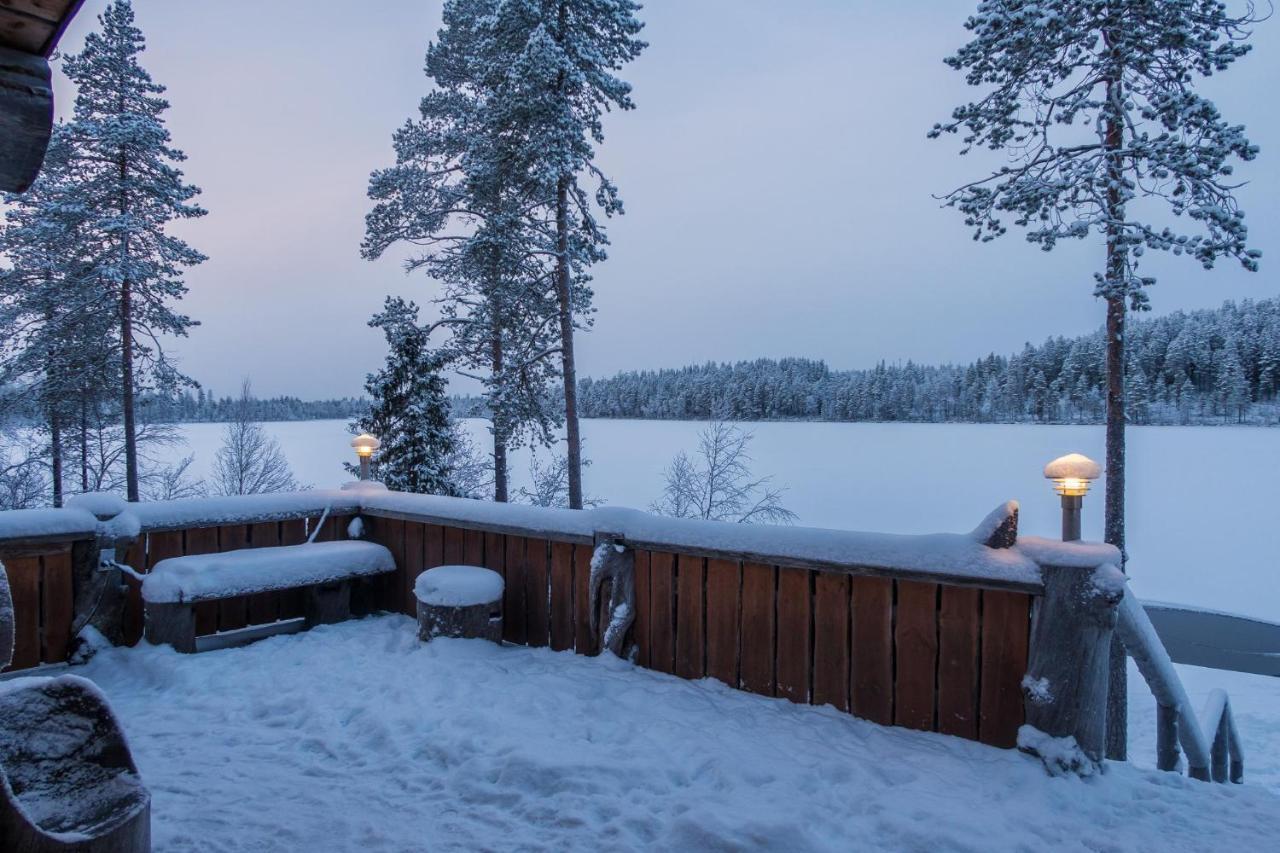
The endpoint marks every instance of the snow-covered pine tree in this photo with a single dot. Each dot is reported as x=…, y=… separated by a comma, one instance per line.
x=459, y=193
x=556, y=90
x=410, y=408
x=1094, y=102
x=126, y=175
x=55, y=325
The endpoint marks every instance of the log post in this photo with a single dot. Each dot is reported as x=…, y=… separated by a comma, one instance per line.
x=1167, y=752
x=26, y=118
x=612, y=564
x=1066, y=682
x=7, y=620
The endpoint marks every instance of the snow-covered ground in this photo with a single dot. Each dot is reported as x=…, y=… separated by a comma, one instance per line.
x=357, y=737
x=1202, y=524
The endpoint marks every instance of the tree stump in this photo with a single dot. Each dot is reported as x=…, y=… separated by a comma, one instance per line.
x=459, y=601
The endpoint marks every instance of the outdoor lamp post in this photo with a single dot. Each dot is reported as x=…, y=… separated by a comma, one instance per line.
x=365, y=445
x=1071, y=475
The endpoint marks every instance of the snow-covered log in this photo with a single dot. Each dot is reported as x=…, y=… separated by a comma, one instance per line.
x=7, y=635
x=1066, y=682
x=459, y=601
x=613, y=564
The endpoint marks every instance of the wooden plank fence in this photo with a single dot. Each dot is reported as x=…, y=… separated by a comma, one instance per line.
x=929, y=656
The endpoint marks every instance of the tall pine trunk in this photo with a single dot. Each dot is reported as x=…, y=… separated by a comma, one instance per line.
x=564, y=294
x=126, y=371
x=1113, y=524
x=55, y=452
x=126, y=350
x=84, y=443
x=499, y=421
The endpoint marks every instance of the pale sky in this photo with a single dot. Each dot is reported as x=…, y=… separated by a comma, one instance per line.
x=777, y=180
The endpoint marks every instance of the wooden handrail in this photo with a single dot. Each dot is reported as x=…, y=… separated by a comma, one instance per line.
x=1220, y=759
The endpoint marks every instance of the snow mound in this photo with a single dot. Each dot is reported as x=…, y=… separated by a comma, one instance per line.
x=458, y=586
x=1073, y=465
x=101, y=504
x=197, y=577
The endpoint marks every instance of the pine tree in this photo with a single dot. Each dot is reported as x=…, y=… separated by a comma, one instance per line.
x=1095, y=102
x=410, y=410
x=126, y=175
x=460, y=191
x=556, y=90
x=53, y=320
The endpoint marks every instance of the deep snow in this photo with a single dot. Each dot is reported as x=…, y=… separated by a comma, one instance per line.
x=1201, y=512
x=357, y=737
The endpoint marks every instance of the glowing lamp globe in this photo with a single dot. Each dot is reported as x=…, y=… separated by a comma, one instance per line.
x=1072, y=474
x=365, y=445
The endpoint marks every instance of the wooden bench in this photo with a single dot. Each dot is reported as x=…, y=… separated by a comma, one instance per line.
x=324, y=571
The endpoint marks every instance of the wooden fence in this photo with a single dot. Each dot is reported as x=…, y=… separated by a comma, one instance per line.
x=935, y=656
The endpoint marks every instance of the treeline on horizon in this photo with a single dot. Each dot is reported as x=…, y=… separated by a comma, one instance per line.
x=1199, y=367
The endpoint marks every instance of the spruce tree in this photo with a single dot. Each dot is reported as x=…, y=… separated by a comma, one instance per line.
x=126, y=175
x=410, y=408
x=1094, y=101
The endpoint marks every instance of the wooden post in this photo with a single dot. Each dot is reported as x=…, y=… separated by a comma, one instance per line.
x=1167, y=752
x=1066, y=683
x=614, y=564
x=26, y=118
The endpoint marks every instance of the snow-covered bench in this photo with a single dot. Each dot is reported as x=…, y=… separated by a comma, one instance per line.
x=325, y=571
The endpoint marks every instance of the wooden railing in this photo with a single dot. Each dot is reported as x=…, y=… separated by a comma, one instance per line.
x=819, y=617
x=1211, y=743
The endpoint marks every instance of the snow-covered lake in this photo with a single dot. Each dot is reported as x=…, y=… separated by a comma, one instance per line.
x=1202, y=500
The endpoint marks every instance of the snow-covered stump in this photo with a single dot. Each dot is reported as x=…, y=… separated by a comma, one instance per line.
x=1067, y=674
x=463, y=602
x=100, y=591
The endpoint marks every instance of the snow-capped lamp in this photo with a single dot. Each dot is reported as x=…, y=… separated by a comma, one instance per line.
x=1071, y=476
x=365, y=445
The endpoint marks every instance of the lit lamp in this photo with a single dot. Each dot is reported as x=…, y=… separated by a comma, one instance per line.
x=1071, y=475
x=365, y=445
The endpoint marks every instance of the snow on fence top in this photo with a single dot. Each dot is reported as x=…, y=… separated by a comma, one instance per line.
x=955, y=557
x=243, y=509
x=196, y=577
x=67, y=523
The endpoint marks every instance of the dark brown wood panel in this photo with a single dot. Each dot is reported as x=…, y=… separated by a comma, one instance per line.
x=415, y=539
x=561, y=596
x=455, y=546
x=388, y=589
x=57, y=605
x=24, y=588
x=831, y=640
x=264, y=607
x=514, y=628
x=872, y=692
x=794, y=642
x=662, y=633
x=204, y=540
x=473, y=547
x=233, y=613
x=759, y=596
x=537, y=612
x=583, y=641
x=959, y=622
x=916, y=655
x=643, y=606
x=1006, y=623
x=162, y=545
x=293, y=531
x=723, y=579
x=495, y=548
x=433, y=547
x=135, y=556
x=691, y=636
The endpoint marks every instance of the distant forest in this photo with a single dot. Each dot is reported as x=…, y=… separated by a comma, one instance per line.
x=1200, y=367
x=202, y=406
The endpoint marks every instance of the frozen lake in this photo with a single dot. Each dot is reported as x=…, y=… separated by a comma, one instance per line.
x=1203, y=524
